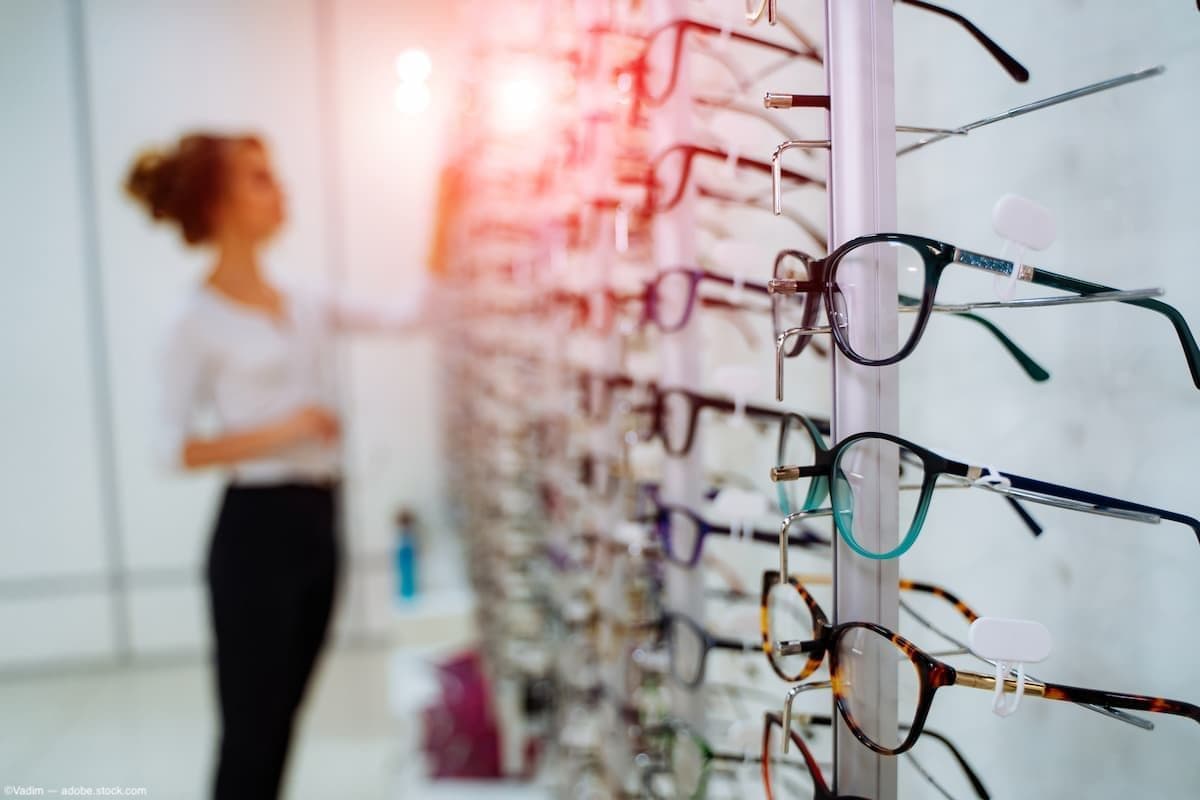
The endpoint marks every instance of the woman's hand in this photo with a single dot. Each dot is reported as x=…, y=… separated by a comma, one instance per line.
x=308, y=423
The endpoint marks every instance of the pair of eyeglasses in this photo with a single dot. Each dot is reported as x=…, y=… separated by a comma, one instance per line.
x=681, y=533
x=607, y=635
x=682, y=763
x=688, y=644
x=755, y=10
x=844, y=473
x=789, y=613
x=800, y=777
x=671, y=415
x=597, y=390
x=667, y=301
x=598, y=552
x=919, y=264
x=790, y=313
x=800, y=438
x=852, y=648
x=654, y=74
x=670, y=172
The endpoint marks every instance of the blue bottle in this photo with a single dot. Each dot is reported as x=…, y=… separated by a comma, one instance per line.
x=406, y=557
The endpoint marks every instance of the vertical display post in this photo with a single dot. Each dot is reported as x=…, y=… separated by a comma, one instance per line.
x=862, y=200
x=679, y=354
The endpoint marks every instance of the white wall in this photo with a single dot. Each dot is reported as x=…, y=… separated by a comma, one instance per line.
x=53, y=543
x=1119, y=414
x=153, y=71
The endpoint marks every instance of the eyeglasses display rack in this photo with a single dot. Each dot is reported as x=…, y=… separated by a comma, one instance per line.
x=679, y=290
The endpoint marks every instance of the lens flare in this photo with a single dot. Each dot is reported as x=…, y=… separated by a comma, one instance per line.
x=519, y=103
x=414, y=65
x=413, y=68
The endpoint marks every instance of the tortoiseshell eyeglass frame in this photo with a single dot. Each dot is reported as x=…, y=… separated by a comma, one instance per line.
x=771, y=579
x=934, y=674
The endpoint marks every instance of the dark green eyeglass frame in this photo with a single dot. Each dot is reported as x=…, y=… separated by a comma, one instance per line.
x=820, y=286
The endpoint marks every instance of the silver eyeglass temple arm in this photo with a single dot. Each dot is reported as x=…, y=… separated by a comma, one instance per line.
x=1037, y=302
x=1038, y=105
x=777, y=167
x=1068, y=504
x=780, y=341
x=787, y=706
x=786, y=526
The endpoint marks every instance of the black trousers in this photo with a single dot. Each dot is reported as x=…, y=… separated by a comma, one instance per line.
x=273, y=572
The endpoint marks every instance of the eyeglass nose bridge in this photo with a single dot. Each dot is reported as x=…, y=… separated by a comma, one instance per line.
x=777, y=167
x=787, y=706
x=786, y=526
x=781, y=340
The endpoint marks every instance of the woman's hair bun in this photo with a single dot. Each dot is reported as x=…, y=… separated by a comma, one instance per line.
x=151, y=180
x=183, y=184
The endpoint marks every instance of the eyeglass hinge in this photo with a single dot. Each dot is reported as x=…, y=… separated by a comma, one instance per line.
x=785, y=100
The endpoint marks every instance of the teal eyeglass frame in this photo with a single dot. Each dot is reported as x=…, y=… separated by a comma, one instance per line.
x=818, y=489
x=826, y=484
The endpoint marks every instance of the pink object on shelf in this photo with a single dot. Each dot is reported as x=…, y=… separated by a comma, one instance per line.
x=460, y=738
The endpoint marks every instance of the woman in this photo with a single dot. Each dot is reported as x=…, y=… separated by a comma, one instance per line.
x=259, y=358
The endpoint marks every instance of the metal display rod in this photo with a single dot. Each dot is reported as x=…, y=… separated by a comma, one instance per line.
x=860, y=75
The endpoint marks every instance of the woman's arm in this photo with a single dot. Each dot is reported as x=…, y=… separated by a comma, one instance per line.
x=311, y=422
x=404, y=311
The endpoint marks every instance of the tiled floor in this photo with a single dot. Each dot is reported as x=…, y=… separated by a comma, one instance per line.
x=154, y=726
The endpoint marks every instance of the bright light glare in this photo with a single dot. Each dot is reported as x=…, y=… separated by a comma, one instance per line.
x=519, y=103
x=414, y=66
x=412, y=97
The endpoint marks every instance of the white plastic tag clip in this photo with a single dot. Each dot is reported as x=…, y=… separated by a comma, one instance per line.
x=1010, y=644
x=992, y=478
x=1024, y=226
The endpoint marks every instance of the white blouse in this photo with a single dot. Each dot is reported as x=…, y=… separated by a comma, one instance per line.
x=241, y=368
